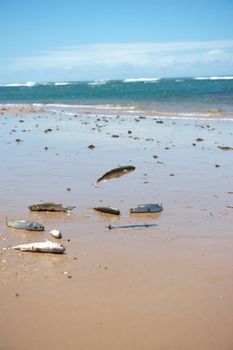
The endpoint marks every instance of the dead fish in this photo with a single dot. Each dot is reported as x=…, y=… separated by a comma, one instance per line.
x=116, y=172
x=50, y=207
x=41, y=247
x=147, y=208
x=225, y=148
x=108, y=210
x=25, y=225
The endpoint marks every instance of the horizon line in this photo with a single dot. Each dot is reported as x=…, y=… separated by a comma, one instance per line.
x=30, y=83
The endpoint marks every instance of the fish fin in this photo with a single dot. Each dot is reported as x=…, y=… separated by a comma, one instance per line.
x=23, y=249
x=68, y=209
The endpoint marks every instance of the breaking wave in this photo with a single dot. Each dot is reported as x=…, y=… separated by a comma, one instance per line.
x=214, y=78
x=62, y=84
x=141, y=80
x=28, y=84
x=97, y=82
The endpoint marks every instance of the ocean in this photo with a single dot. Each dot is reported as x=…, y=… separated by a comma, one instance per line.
x=174, y=97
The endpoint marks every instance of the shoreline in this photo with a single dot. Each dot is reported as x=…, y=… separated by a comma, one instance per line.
x=112, y=110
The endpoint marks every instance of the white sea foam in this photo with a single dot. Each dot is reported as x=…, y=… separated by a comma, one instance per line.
x=28, y=84
x=32, y=83
x=97, y=82
x=214, y=78
x=65, y=83
x=141, y=80
x=62, y=84
x=101, y=107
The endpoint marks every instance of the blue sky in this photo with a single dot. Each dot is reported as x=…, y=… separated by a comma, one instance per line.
x=57, y=40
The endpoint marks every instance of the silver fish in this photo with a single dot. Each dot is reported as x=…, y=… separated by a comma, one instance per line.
x=41, y=247
x=147, y=208
x=108, y=210
x=116, y=172
x=25, y=225
x=49, y=206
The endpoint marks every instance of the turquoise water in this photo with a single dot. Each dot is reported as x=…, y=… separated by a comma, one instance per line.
x=199, y=95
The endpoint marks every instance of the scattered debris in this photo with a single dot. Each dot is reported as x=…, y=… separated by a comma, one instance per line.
x=48, y=130
x=53, y=207
x=108, y=210
x=56, y=233
x=25, y=225
x=91, y=146
x=116, y=172
x=110, y=227
x=147, y=208
x=41, y=247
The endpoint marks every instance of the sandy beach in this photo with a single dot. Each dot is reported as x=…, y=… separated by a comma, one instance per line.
x=168, y=287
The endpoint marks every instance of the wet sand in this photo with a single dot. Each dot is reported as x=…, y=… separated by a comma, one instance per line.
x=165, y=287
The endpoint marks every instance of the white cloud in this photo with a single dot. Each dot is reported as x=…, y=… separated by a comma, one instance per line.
x=116, y=58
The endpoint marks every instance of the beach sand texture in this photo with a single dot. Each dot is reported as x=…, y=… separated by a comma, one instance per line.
x=166, y=287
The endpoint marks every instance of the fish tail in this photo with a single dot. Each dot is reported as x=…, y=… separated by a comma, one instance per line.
x=16, y=247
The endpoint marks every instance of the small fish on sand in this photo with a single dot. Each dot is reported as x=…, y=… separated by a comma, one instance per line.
x=25, y=225
x=108, y=210
x=53, y=207
x=225, y=148
x=147, y=208
x=41, y=247
x=116, y=172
